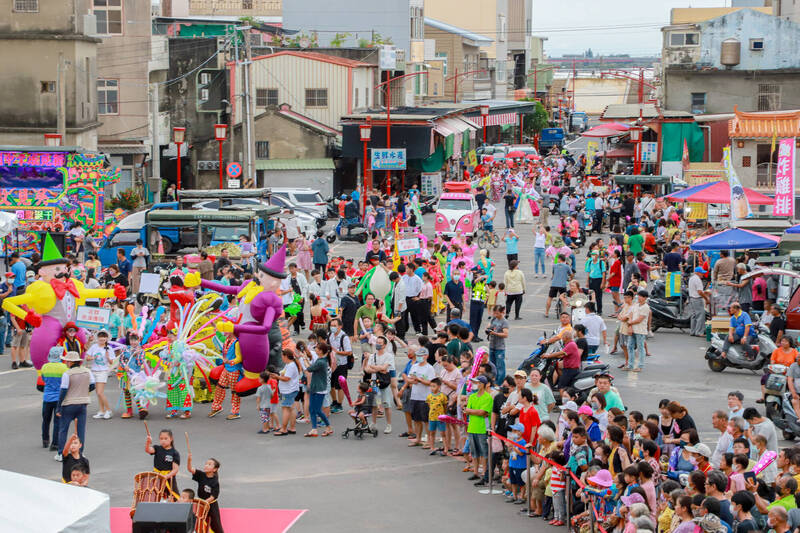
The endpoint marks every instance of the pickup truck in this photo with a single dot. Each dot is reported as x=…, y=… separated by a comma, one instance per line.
x=551, y=137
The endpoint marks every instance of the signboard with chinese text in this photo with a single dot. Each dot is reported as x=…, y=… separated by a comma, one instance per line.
x=431, y=183
x=649, y=152
x=472, y=158
x=408, y=246
x=591, y=152
x=92, y=317
x=388, y=159
x=784, y=179
x=740, y=206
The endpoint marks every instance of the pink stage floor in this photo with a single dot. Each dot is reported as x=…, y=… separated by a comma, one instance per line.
x=234, y=520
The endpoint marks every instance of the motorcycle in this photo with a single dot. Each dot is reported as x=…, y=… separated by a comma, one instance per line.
x=778, y=401
x=153, y=300
x=357, y=233
x=737, y=356
x=584, y=381
x=427, y=204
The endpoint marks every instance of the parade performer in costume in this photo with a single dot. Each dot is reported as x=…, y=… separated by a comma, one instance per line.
x=69, y=340
x=178, y=396
x=49, y=303
x=260, y=308
x=179, y=296
x=230, y=376
x=130, y=362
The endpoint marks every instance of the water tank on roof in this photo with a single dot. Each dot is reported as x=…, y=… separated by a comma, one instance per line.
x=730, y=52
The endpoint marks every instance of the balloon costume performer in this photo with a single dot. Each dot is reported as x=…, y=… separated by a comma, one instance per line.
x=257, y=329
x=49, y=303
x=179, y=297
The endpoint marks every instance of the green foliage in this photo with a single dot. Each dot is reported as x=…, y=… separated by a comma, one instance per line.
x=339, y=39
x=363, y=43
x=535, y=121
x=128, y=199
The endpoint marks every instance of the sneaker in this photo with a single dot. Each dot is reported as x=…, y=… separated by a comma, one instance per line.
x=107, y=415
x=45, y=443
x=480, y=483
x=58, y=457
x=403, y=434
x=388, y=429
x=233, y=416
x=473, y=477
x=14, y=365
x=25, y=364
x=214, y=413
x=53, y=448
x=99, y=415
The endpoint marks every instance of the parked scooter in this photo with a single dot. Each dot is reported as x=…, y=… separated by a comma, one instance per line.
x=778, y=402
x=357, y=233
x=737, y=356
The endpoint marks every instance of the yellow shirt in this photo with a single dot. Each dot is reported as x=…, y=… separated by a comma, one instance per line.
x=491, y=298
x=665, y=520
x=437, y=403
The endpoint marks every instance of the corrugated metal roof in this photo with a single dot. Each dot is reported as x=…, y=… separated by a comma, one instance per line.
x=466, y=34
x=123, y=149
x=764, y=124
x=295, y=164
x=631, y=111
x=317, y=56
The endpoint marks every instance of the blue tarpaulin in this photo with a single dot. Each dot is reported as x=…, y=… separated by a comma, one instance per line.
x=736, y=239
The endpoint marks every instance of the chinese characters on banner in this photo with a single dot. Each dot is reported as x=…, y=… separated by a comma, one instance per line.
x=388, y=159
x=784, y=179
x=591, y=152
x=740, y=206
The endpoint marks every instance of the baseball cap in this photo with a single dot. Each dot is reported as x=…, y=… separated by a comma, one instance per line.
x=572, y=406
x=9, y=275
x=585, y=410
x=481, y=379
x=520, y=374
x=421, y=351
x=517, y=426
x=700, y=270
x=701, y=449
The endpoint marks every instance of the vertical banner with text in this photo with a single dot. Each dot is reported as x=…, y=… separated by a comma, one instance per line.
x=784, y=179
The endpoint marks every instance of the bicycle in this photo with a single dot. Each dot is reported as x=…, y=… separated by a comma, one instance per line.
x=488, y=237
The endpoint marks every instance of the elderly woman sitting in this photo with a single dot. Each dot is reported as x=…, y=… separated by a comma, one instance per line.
x=541, y=474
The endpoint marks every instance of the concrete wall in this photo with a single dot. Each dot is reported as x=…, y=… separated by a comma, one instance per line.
x=724, y=89
x=747, y=175
x=125, y=58
x=592, y=95
x=390, y=18
x=53, y=17
x=453, y=45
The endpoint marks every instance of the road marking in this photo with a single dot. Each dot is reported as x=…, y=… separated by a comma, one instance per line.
x=17, y=370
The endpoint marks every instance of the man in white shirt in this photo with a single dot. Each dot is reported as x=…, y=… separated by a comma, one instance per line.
x=595, y=328
x=413, y=285
x=719, y=419
x=381, y=362
x=491, y=210
x=697, y=303
x=420, y=377
x=292, y=230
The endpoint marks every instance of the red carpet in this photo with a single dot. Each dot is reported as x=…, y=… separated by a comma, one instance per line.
x=234, y=520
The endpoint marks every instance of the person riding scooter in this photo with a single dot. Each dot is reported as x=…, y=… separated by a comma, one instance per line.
x=570, y=355
x=351, y=214
x=741, y=330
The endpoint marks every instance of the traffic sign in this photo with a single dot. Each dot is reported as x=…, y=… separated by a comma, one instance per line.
x=233, y=170
x=234, y=184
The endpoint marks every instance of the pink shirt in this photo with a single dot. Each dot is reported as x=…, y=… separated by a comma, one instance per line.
x=426, y=292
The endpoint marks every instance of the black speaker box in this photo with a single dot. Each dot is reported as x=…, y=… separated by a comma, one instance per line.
x=163, y=518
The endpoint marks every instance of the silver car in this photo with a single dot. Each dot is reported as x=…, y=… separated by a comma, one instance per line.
x=309, y=199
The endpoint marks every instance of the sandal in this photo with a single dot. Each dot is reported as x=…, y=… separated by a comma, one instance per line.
x=309, y=434
x=327, y=433
x=279, y=433
x=292, y=432
x=184, y=416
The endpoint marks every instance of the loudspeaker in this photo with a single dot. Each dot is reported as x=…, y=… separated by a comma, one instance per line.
x=163, y=518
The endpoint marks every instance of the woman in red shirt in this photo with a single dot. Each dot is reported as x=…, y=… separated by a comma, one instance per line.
x=528, y=416
x=615, y=278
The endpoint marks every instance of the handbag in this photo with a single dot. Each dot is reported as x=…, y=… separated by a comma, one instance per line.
x=384, y=379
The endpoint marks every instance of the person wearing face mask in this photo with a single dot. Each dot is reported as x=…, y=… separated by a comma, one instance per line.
x=517, y=462
x=719, y=419
x=379, y=364
x=680, y=461
x=741, y=504
x=340, y=343
x=784, y=498
x=420, y=377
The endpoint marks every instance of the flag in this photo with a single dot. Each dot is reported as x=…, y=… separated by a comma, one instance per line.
x=591, y=153
x=685, y=156
x=740, y=206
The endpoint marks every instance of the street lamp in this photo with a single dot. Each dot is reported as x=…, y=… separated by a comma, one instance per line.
x=636, y=139
x=366, y=133
x=388, y=84
x=455, y=81
x=178, y=137
x=219, y=134
x=52, y=139
x=485, y=115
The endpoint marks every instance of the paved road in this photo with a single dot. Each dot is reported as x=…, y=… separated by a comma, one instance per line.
x=346, y=484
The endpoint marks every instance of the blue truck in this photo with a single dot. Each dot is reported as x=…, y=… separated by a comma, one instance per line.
x=551, y=137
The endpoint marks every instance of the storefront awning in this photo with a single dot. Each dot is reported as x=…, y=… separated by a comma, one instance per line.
x=415, y=138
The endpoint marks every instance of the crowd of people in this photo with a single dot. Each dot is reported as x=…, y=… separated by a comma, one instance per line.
x=424, y=348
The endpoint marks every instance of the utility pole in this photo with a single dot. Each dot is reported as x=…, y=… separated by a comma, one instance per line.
x=251, y=144
x=156, y=155
x=61, y=100
x=232, y=117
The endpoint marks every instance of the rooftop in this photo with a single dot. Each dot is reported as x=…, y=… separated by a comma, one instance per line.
x=426, y=112
x=631, y=112
x=477, y=39
x=693, y=15
x=764, y=124
x=317, y=56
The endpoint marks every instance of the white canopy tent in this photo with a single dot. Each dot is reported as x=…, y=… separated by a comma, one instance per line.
x=35, y=505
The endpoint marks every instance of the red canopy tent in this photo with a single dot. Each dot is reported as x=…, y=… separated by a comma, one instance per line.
x=603, y=131
x=717, y=192
x=515, y=154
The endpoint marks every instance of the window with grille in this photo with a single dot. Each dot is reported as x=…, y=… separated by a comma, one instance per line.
x=48, y=87
x=109, y=16
x=107, y=97
x=262, y=149
x=684, y=39
x=698, y=102
x=247, y=4
x=746, y=161
x=769, y=97
x=316, y=97
x=26, y=6
x=266, y=97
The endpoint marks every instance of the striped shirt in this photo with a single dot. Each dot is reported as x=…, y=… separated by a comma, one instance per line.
x=558, y=480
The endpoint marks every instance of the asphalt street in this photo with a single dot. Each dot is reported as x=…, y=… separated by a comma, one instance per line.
x=348, y=485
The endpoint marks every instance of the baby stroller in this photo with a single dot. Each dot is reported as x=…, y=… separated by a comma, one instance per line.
x=363, y=427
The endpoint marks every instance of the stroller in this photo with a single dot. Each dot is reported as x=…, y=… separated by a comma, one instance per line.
x=362, y=427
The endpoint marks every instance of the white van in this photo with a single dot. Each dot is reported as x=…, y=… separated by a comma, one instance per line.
x=310, y=199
